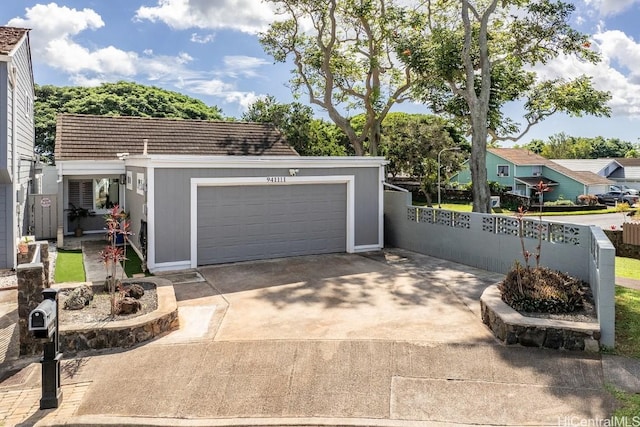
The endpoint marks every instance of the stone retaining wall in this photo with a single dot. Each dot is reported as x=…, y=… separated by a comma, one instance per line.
x=32, y=274
x=125, y=333
x=622, y=249
x=511, y=327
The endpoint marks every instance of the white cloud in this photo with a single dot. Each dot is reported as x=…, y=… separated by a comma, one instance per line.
x=82, y=80
x=51, y=21
x=244, y=99
x=610, y=7
x=249, y=16
x=55, y=40
x=197, y=38
x=184, y=58
x=243, y=65
x=616, y=73
x=211, y=87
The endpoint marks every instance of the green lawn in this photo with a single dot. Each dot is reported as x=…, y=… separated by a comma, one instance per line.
x=627, y=343
x=627, y=267
x=599, y=211
x=460, y=207
x=627, y=322
x=133, y=264
x=467, y=207
x=69, y=267
x=629, y=404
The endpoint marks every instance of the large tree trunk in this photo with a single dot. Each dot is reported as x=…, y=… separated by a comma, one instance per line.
x=477, y=165
x=374, y=138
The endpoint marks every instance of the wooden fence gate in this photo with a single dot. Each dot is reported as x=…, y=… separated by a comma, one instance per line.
x=631, y=233
x=44, y=215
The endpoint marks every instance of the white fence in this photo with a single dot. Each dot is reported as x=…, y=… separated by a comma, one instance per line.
x=492, y=242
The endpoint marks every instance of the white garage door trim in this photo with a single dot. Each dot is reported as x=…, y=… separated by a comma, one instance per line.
x=271, y=181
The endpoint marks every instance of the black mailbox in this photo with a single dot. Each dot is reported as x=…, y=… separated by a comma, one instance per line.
x=42, y=319
x=43, y=323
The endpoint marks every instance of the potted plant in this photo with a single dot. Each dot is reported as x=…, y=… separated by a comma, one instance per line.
x=76, y=214
x=23, y=245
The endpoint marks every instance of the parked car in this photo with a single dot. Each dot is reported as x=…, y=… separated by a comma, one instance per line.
x=613, y=197
x=624, y=189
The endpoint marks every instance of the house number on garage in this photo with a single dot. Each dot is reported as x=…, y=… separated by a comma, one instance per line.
x=275, y=179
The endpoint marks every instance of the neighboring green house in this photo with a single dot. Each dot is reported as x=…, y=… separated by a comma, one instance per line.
x=520, y=170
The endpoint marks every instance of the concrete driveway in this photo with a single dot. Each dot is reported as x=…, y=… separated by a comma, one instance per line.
x=386, y=339
x=391, y=295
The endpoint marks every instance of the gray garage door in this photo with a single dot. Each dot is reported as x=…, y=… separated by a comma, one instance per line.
x=240, y=223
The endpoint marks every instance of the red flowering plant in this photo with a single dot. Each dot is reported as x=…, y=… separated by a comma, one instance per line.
x=539, y=289
x=118, y=232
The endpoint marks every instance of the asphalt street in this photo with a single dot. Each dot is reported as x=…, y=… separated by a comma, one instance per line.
x=604, y=221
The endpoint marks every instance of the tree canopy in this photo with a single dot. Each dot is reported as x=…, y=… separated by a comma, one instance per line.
x=309, y=136
x=412, y=143
x=563, y=146
x=343, y=60
x=470, y=58
x=115, y=99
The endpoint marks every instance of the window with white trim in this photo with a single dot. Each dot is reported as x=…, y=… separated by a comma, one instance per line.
x=95, y=194
x=503, y=170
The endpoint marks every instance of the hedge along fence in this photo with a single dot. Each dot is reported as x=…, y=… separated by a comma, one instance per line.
x=492, y=242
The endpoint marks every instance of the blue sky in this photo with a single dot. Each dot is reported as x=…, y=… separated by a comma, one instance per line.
x=208, y=49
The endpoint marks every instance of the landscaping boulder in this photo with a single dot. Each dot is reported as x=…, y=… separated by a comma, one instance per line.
x=134, y=291
x=78, y=298
x=129, y=305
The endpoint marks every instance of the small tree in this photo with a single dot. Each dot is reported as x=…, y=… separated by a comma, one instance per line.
x=118, y=229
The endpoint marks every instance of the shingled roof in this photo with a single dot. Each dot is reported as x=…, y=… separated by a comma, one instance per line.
x=9, y=38
x=524, y=157
x=87, y=137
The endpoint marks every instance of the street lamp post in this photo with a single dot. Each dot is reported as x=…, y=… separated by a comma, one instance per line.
x=439, y=153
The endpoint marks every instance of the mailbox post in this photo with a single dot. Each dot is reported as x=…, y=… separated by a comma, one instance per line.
x=43, y=322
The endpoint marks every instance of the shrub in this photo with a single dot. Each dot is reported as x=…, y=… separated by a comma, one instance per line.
x=559, y=202
x=539, y=289
x=587, y=199
x=542, y=290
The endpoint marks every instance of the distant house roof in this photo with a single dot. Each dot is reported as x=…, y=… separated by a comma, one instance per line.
x=524, y=157
x=87, y=137
x=630, y=169
x=603, y=167
x=519, y=156
x=628, y=161
x=9, y=38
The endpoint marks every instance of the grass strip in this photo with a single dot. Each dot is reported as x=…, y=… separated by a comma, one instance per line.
x=627, y=322
x=69, y=267
x=133, y=264
x=627, y=267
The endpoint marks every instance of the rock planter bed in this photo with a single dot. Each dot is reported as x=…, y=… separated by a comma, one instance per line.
x=511, y=327
x=78, y=336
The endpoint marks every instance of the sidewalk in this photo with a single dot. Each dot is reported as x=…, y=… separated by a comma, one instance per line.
x=628, y=283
